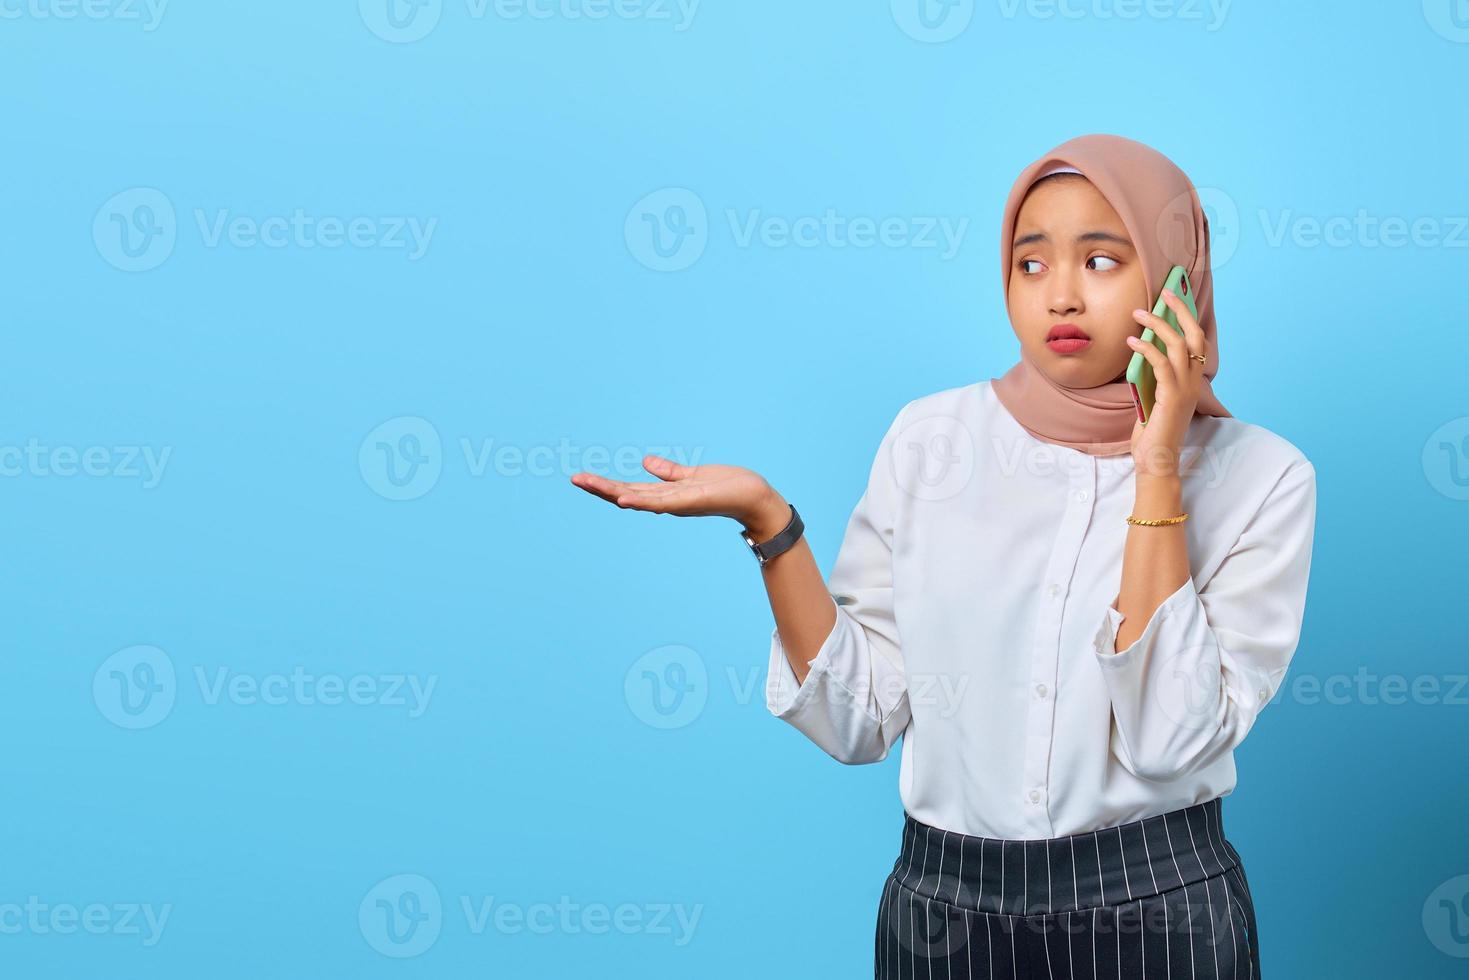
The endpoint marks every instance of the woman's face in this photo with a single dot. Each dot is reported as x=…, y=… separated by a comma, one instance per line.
x=1073, y=263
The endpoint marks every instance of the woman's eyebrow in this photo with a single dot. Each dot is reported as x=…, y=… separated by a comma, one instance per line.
x=1086, y=236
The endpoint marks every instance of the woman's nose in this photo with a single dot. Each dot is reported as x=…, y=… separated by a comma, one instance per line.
x=1066, y=303
x=1066, y=294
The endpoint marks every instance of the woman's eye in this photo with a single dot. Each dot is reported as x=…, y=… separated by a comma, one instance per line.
x=1025, y=262
x=1103, y=258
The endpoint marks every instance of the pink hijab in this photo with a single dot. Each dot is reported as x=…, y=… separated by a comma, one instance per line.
x=1160, y=208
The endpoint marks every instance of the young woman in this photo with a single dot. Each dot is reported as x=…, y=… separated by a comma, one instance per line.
x=1071, y=618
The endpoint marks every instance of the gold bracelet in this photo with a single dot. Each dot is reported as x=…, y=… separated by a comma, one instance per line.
x=1165, y=520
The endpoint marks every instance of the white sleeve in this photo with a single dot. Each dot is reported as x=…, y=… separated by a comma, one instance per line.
x=854, y=701
x=1189, y=688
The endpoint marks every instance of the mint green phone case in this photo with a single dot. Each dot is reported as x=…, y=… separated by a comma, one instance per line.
x=1139, y=372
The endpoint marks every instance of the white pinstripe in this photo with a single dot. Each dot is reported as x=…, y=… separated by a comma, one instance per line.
x=1208, y=837
x=1142, y=939
x=1070, y=958
x=1172, y=854
x=1187, y=907
x=1117, y=928
x=1046, y=942
x=979, y=902
x=895, y=947
x=1243, y=920
x=1094, y=944
x=938, y=888
x=1002, y=875
x=960, y=880
x=1075, y=887
x=927, y=922
x=1190, y=824
x=1024, y=877
x=1049, y=900
x=882, y=924
x=968, y=940
x=1101, y=883
x=1126, y=878
x=1014, y=972
x=888, y=923
x=924, y=870
x=1147, y=851
x=989, y=942
x=1213, y=949
x=927, y=833
x=1233, y=938
x=1167, y=942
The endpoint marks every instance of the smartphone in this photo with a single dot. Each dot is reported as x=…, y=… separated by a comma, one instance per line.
x=1139, y=372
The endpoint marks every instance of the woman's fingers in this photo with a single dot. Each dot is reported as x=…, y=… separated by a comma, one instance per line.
x=606, y=489
x=1162, y=367
x=686, y=491
x=1177, y=356
x=660, y=498
x=1173, y=340
x=679, y=500
x=1192, y=332
x=592, y=484
x=666, y=469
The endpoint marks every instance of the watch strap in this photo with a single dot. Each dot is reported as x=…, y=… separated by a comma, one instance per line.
x=766, y=550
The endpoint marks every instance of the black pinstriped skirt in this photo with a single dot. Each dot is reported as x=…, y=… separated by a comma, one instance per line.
x=1161, y=897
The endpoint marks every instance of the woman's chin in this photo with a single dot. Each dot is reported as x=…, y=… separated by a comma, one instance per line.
x=1076, y=370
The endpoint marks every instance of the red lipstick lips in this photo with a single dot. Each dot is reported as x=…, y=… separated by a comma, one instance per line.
x=1067, y=338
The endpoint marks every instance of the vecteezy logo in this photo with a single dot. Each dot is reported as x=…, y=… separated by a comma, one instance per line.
x=1224, y=228
x=667, y=687
x=933, y=21
x=402, y=458
x=401, y=21
x=1446, y=917
x=1446, y=459
x=135, y=687
x=136, y=229
x=1176, y=232
x=1448, y=18
x=401, y=916
x=933, y=458
x=667, y=230
x=933, y=927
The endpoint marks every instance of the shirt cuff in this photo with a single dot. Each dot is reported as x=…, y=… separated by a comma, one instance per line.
x=1105, y=639
x=782, y=690
x=853, y=702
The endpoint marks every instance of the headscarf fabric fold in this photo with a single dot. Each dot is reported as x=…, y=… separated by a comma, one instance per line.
x=1164, y=218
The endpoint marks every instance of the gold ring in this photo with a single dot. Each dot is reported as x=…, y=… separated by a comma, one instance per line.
x=1198, y=357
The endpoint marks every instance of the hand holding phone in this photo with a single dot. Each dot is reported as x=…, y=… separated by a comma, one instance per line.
x=1140, y=376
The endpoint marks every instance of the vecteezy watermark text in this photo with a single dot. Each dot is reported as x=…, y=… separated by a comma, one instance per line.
x=403, y=915
x=403, y=458
x=406, y=21
x=138, y=229
x=35, y=917
x=144, y=463
x=137, y=688
x=147, y=13
x=669, y=229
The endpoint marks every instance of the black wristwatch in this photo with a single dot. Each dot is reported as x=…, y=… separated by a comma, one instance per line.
x=781, y=542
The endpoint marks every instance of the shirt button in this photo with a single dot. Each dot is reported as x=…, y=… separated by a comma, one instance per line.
x=1035, y=796
x=1263, y=694
x=1082, y=495
x=1053, y=590
x=1040, y=690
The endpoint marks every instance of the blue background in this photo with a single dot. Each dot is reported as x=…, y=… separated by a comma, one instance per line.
x=537, y=317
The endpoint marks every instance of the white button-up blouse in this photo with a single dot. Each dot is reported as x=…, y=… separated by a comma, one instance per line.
x=975, y=592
